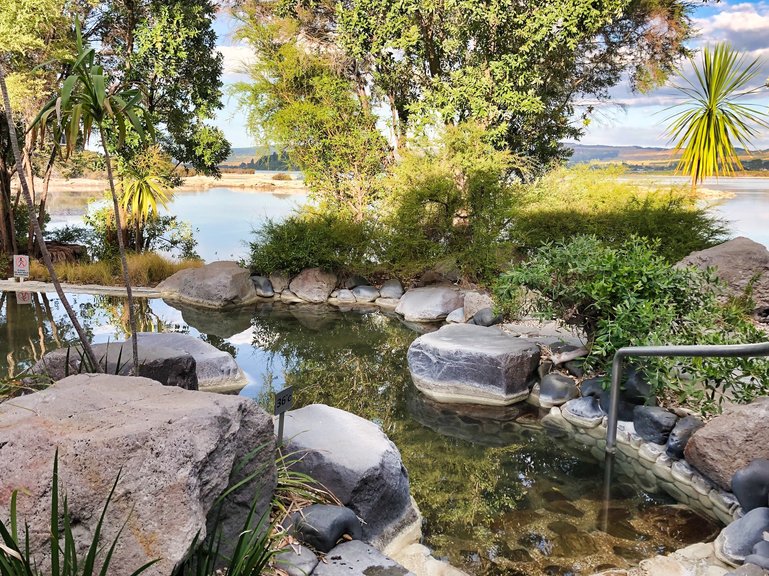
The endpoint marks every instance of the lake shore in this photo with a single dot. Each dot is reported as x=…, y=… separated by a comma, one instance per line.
x=256, y=183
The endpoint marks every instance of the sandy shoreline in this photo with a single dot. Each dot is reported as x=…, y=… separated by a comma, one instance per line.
x=258, y=183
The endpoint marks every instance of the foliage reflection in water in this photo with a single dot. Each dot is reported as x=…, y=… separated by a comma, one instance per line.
x=500, y=494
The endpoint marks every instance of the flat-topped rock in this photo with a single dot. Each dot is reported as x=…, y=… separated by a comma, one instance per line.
x=176, y=452
x=356, y=558
x=220, y=284
x=429, y=304
x=356, y=461
x=313, y=285
x=464, y=363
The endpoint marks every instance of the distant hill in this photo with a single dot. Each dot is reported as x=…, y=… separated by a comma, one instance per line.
x=253, y=158
x=640, y=158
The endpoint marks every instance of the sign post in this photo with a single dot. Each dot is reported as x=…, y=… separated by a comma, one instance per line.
x=284, y=400
x=23, y=297
x=21, y=266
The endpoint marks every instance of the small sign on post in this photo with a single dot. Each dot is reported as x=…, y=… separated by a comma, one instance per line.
x=284, y=400
x=23, y=297
x=21, y=266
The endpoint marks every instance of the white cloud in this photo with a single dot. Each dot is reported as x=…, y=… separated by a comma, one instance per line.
x=236, y=58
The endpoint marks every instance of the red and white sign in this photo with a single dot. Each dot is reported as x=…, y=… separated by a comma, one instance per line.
x=21, y=266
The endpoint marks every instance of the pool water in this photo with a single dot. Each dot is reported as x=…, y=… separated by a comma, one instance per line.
x=500, y=494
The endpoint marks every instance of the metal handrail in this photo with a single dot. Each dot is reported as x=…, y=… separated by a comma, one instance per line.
x=709, y=351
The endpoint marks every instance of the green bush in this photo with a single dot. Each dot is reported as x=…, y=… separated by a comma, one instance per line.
x=600, y=202
x=309, y=240
x=628, y=295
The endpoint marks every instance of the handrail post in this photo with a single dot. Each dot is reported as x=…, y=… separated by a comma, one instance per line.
x=616, y=379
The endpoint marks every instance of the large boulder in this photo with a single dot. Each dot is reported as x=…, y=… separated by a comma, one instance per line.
x=216, y=369
x=164, y=364
x=737, y=263
x=429, y=304
x=464, y=363
x=221, y=284
x=223, y=323
x=474, y=302
x=176, y=452
x=356, y=461
x=313, y=285
x=730, y=442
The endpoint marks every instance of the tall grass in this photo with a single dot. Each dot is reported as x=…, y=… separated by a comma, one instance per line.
x=145, y=269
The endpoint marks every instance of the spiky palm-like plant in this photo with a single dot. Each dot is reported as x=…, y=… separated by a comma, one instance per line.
x=712, y=120
x=88, y=101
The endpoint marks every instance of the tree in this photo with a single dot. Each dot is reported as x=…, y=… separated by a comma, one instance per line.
x=517, y=67
x=712, y=119
x=25, y=35
x=88, y=100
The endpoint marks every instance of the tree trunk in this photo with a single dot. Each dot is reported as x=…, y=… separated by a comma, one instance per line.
x=123, y=259
x=44, y=191
x=88, y=351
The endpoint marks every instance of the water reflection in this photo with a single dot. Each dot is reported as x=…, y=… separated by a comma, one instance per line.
x=500, y=494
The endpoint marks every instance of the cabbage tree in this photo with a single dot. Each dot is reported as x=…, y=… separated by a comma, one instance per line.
x=712, y=120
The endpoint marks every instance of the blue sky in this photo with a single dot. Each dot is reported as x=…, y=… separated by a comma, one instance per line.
x=633, y=119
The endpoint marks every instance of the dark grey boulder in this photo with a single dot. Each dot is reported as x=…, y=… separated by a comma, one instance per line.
x=322, y=526
x=365, y=293
x=296, y=560
x=544, y=368
x=636, y=388
x=625, y=409
x=556, y=389
x=737, y=540
x=358, y=559
x=751, y=484
x=354, y=281
x=356, y=461
x=653, y=423
x=486, y=317
x=163, y=364
x=263, y=286
x=585, y=412
x=592, y=387
x=680, y=435
x=462, y=363
x=574, y=367
x=392, y=289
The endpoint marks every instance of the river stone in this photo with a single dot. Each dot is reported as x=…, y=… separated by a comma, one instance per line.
x=625, y=412
x=356, y=461
x=365, y=293
x=296, y=560
x=429, y=304
x=392, y=289
x=462, y=363
x=653, y=423
x=475, y=302
x=680, y=435
x=313, y=285
x=176, y=451
x=220, y=284
x=584, y=412
x=279, y=282
x=592, y=387
x=737, y=263
x=165, y=364
x=345, y=295
x=322, y=526
x=736, y=541
x=751, y=484
x=356, y=558
x=456, y=317
x=758, y=560
x=263, y=286
x=486, y=317
x=636, y=388
x=556, y=389
x=730, y=442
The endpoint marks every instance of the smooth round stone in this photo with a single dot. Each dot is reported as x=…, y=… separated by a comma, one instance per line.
x=761, y=548
x=391, y=289
x=574, y=367
x=751, y=484
x=456, y=316
x=736, y=541
x=296, y=562
x=345, y=295
x=486, y=317
x=680, y=435
x=625, y=408
x=584, y=412
x=556, y=389
x=653, y=423
x=636, y=389
x=263, y=286
x=365, y=293
x=322, y=525
x=758, y=560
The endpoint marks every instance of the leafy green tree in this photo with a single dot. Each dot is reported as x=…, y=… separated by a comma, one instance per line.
x=27, y=20
x=299, y=101
x=518, y=67
x=712, y=119
x=88, y=101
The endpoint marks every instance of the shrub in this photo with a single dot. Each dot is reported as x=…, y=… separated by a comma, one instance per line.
x=598, y=202
x=629, y=295
x=281, y=176
x=309, y=240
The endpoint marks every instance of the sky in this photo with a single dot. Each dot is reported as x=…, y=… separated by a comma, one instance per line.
x=630, y=120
